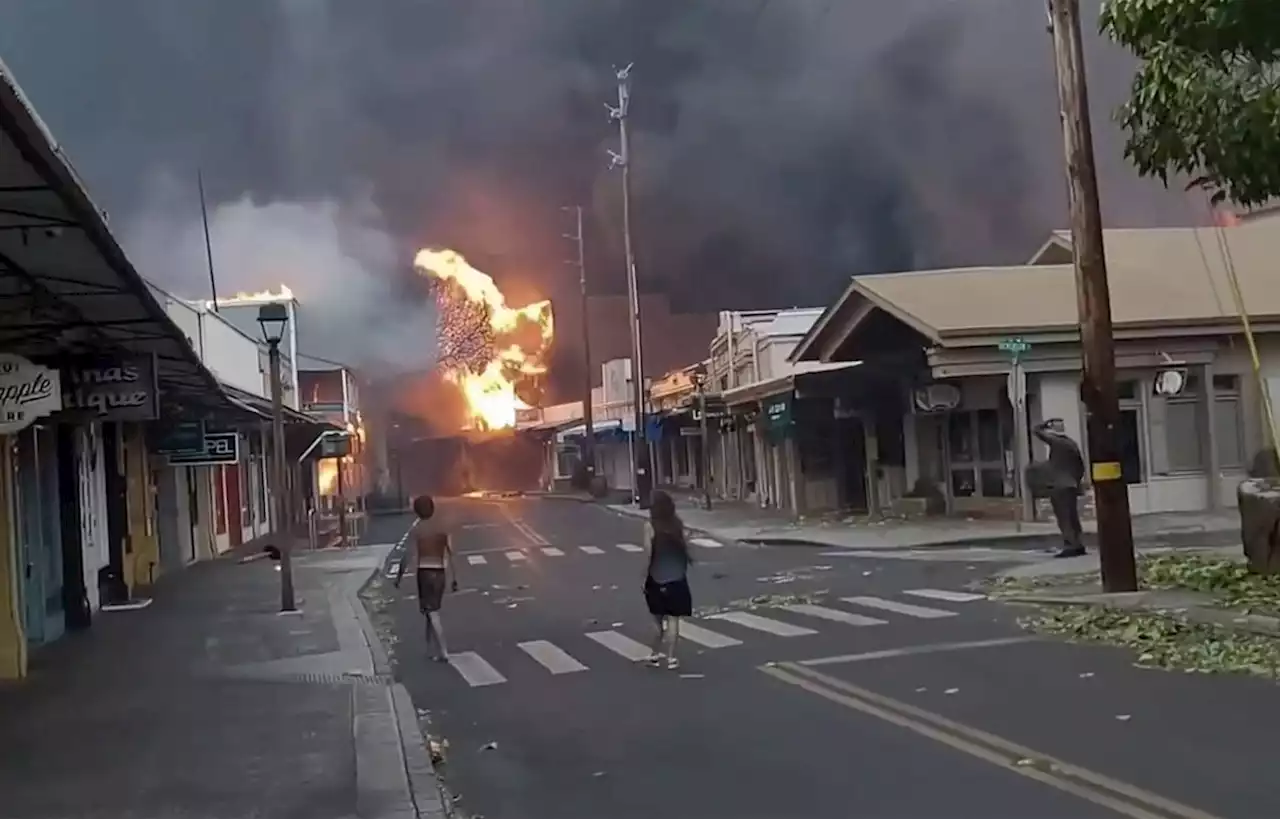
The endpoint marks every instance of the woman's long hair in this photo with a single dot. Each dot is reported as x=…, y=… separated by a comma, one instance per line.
x=665, y=521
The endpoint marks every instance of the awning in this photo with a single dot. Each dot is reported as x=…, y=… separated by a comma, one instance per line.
x=65, y=284
x=261, y=409
x=612, y=425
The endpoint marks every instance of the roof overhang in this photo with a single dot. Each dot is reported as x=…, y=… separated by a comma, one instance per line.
x=839, y=321
x=761, y=390
x=65, y=284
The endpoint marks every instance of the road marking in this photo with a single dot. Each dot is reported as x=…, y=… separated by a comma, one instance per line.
x=946, y=596
x=551, y=551
x=706, y=637
x=899, y=608
x=630, y=547
x=475, y=670
x=551, y=657
x=706, y=543
x=515, y=557
x=476, y=560
x=833, y=614
x=907, y=651
x=592, y=550
x=621, y=644
x=759, y=623
x=1121, y=797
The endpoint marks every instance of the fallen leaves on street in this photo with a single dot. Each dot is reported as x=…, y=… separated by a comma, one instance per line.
x=1231, y=582
x=1163, y=640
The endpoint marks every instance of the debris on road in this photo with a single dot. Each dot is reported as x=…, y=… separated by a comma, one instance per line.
x=1163, y=640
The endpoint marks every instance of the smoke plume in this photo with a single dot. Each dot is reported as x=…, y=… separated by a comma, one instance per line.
x=779, y=146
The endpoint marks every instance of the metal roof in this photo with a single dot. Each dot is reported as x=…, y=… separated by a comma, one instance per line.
x=65, y=284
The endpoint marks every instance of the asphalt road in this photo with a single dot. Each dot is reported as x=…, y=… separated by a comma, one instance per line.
x=816, y=686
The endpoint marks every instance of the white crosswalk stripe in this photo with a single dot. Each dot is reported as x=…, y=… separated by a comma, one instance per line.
x=835, y=615
x=945, y=595
x=591, y=550
x=755, y=621
x=551, y=657
x=516, y=557
x=706, y=637
x=474, y=669
x=706, y=543
x=630, y=547
x=476, y=560
x=907, y=609
x=620, y=643
x=551, y=551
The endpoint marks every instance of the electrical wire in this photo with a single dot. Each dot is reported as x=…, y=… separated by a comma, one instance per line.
x=1224, y=246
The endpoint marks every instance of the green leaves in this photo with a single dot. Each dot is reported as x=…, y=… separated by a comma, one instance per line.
x=1164, y=641
x=1205, y=101
x=1231, y=583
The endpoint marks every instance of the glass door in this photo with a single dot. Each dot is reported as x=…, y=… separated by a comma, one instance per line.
x=975, y=449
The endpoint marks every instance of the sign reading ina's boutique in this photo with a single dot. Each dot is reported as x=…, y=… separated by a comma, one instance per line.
x=121, y=389
x=27, y=391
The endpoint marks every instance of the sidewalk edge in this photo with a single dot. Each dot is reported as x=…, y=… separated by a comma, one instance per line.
x=424, y=790
x=424, y=785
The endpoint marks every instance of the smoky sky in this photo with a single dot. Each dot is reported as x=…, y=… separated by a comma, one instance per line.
x=778, y=146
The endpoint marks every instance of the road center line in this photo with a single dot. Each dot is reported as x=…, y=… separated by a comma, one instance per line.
x=908, y=651
x=1086, y=784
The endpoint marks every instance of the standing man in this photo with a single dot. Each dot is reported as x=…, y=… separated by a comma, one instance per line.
x=1064, y=477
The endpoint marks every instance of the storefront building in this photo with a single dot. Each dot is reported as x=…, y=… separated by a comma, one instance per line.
x=952, y=337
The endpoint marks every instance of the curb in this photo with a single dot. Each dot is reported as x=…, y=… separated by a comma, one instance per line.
x=1200, y=614
x=424, y=790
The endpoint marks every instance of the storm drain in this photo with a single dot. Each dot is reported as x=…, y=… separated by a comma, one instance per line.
x=338, y=679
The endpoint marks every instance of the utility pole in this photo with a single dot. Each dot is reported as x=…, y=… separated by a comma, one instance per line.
x=704, y=449
x=622, y=159
x=588, y=415
x=1098, y=386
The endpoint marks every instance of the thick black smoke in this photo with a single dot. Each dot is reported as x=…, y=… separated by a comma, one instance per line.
x=779, y=145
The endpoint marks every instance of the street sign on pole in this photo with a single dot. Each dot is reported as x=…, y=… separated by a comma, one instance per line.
x=1014, y=346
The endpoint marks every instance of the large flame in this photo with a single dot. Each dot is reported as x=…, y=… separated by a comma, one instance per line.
x=489, y=377
x=260, y=297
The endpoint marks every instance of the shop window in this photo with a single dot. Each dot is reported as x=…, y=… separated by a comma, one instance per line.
x=682, y=456
x=1228, y=422
x=566, y=459
x=1182, y=433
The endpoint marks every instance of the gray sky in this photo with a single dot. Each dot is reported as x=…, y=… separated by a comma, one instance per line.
x=780, y=145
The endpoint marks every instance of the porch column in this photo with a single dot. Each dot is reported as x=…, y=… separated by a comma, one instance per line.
x=872, y=446
x=1208, y=433
x=911, y=449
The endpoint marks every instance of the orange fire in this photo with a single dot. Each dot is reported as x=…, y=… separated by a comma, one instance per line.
x=490, y=389
x=262, y=296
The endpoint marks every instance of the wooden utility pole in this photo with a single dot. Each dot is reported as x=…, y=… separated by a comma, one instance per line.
x=1098, y=385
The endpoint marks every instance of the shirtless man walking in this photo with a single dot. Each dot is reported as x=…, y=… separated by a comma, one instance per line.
x=430, y=550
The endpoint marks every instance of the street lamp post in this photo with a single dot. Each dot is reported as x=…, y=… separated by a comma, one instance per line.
x=273, y=317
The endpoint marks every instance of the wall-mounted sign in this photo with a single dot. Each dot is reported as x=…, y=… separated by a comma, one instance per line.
x=219, y=448
x=117, y=389
x=936, y=398
x=187, y=438
x=335, y=446
x=27, y=391
x=1169, y=383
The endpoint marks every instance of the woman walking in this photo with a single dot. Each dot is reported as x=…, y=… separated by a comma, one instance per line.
x=666, y=585
x=427, y=544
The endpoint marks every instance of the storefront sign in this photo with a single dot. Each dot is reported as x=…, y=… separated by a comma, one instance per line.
x=186, y=437
x=219, y=448
x=27, y=391
x=121, y=389
x=777, y=413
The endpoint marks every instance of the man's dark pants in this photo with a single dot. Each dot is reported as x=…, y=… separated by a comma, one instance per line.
x=1066, y=510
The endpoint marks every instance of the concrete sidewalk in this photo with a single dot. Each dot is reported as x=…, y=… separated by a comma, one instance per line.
x=210, y=703
x=744, y=523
